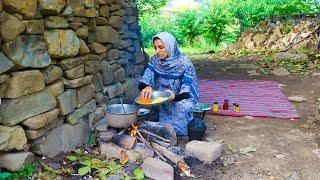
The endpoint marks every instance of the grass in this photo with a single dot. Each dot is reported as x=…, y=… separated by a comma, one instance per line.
x=191, y=52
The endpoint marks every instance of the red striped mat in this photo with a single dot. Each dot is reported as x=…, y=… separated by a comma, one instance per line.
x=255, y=98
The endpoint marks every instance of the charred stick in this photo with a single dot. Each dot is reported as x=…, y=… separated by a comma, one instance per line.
x=176, y=159
x=148, y=144
x=154, y=135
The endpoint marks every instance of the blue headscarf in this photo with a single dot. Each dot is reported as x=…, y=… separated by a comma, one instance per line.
x=172, y=48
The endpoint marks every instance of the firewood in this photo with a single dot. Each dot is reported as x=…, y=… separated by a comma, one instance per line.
x=154, y=135
x=290, y=46
x=168, y=154
x=176, y=159
x=147, y=143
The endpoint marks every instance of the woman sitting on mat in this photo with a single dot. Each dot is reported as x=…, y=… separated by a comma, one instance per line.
x=169, y=70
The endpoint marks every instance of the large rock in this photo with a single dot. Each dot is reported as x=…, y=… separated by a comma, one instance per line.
x=13, y=112
x=88, y=3
x=27, y=8
x=41, y=120
x=92, y=67
x=107, y=73
x=113, y=54
x=75, y=83
x=62, y=43
x=286, y=56
x=74, y=117
x=280, y=72
x=204, y=151
x=131, y=89
x=11, y=29
x=34, y=133
x=84, y=49
x=16, y=160
x=119, y=89
x=64, y=138
x=27, y=51
x=76, y=7
x=105, y=34
x=67, y=101
x=120, y=75
x=24, y=83
x=55, y=89
x=137, y=154
x=259, y=39
x=97, y=81
x=55, y=22
x=75, y=73
x=139, y=57
x=110, y=91
x=12, y=138
x=91, y=13
x=82, y=32
x=34, y=26
x=115, y=21
x=84, y=94
x=97, y=48
x=70, y=63
x=104, y=11
x=5, y=63
x=157, y=169
x=51, y=7
x=52, y=73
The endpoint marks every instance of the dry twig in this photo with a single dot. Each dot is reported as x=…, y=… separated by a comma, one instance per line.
x=147, y=143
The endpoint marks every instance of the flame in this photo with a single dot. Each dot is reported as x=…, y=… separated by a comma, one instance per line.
x=133, y=131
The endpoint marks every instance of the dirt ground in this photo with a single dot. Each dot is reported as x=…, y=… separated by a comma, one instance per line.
x=284, y=147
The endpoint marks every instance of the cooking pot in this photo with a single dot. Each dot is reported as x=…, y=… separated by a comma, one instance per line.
x=119, y=116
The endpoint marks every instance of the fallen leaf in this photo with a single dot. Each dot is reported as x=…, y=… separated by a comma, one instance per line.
x=138, y=174
x=123, y=157
x=247, y=150
x=84, y=170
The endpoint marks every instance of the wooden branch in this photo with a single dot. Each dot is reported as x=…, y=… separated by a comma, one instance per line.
x=289, y=47
x=176, y=159
x=147, y=143
x=161, y=143
x=154, y=135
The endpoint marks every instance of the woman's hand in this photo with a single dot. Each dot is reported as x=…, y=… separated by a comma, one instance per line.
x=146, y=92
x=172, y=95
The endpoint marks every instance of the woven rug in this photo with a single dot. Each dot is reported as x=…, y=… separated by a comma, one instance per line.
x=255, y=98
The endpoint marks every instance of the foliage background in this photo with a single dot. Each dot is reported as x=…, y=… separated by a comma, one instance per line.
x=214, y=24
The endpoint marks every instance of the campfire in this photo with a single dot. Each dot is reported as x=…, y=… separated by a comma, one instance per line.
x=153, y=136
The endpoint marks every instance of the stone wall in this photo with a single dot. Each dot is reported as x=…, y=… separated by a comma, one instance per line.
x=298, y=33
x=61, y=61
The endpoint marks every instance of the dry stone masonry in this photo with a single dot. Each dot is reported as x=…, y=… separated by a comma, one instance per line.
x=61, y=62
x=298, y=33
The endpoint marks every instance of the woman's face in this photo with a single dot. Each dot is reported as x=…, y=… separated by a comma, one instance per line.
x=160, y=49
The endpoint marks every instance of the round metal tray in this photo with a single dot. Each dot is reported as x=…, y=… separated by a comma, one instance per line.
x=202, y=107
x=155, y=95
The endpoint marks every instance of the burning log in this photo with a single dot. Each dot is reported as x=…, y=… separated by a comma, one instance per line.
x=176, y=159
x=163, y=130
x=124, y=140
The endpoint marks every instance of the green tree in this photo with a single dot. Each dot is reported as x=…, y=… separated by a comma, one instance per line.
x=150, y=7
x=217, y=18
x=189, y=22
